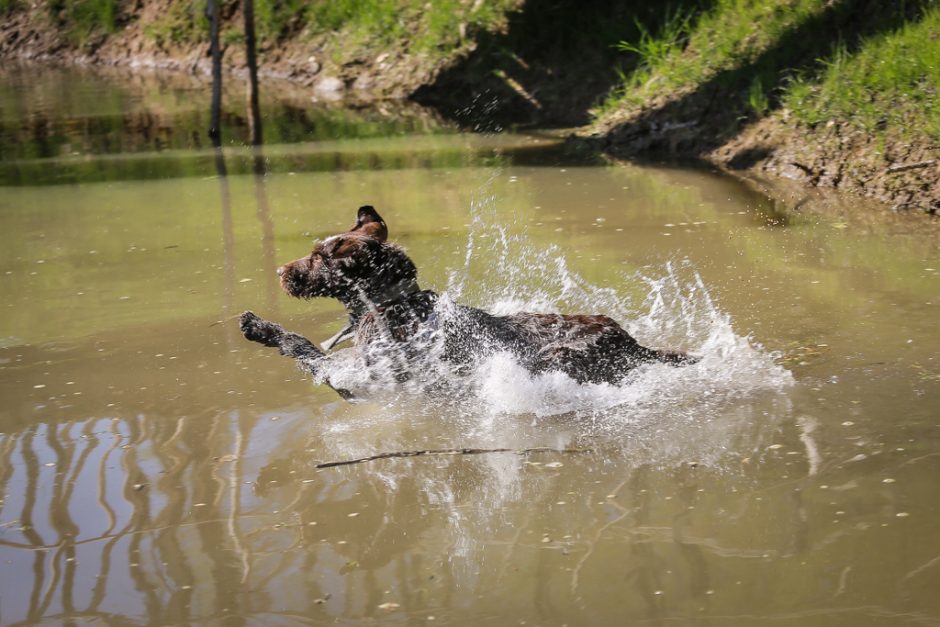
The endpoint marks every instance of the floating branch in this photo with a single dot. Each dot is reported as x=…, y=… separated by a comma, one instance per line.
x=452, y=451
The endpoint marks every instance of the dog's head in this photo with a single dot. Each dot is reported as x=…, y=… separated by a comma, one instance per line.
x=357, y=267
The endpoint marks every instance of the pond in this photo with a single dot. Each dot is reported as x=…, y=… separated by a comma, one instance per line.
x=157, y=468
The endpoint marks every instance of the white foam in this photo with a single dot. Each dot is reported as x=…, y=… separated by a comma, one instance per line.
x=675, y=311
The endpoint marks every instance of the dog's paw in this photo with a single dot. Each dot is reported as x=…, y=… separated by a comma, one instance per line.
x=260, y=330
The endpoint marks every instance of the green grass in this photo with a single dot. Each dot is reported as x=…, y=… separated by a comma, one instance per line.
x=422, y=26
x=427, y=26
x=653, y=49
x=81, y=20
x=692, y=48
x=872, y=64
x=757, y=100
x=890, y=82
x=276, y=19
x=184, y=22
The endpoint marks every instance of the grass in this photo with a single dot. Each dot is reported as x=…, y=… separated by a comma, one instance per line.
x=421, y=26
x=653, y=49
x=891, y=82
x=692, y=48
x=82, y=20
x=277, y=19
x=183, y=22
x=872, y=64
x=425, y=26
x=757, y=100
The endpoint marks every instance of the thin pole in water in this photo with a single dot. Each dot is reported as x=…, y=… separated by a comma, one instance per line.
x=215, y=114
x=254, y=109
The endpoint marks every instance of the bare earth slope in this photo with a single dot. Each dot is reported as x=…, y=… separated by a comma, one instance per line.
x=753, y=87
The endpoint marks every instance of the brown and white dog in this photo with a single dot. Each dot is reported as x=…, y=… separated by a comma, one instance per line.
x=389, y=314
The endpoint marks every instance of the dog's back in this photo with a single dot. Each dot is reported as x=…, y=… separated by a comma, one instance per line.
x=391, y=317
x=588, y=348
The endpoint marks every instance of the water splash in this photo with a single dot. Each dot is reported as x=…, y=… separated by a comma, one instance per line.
x=669, y=307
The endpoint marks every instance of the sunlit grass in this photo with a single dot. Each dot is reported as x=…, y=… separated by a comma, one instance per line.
x=692, y=48
x=426, y=26
x=891, y=81
x=763, y=54
x=420, y=25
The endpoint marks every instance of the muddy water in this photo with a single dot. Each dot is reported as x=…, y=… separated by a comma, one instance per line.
x=156, y=468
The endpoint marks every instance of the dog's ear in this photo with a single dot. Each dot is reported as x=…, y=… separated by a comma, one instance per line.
x=342, y=247
x=370, y=223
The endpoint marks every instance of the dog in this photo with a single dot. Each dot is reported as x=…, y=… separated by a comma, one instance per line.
x=391, y=316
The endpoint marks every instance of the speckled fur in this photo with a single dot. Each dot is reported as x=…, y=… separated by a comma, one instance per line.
x=377, y=283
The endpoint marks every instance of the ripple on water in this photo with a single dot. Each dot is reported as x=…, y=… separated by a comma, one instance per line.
x=499, y=400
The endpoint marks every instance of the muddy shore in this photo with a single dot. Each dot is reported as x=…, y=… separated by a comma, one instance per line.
x=481, y=87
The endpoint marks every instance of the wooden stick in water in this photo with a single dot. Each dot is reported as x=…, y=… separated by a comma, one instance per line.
x=451, y=451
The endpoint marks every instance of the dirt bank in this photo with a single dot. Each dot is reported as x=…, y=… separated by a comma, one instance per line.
x=333, y=66
x=563, y=63
x=903, y=173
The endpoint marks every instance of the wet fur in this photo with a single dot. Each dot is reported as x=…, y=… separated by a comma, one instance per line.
x=377, y=283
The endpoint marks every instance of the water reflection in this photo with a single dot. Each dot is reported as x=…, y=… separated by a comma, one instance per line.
x=269, y=263
x=228, y=235
x=74, y=126
x=48, y=112
x=203, y=526
x=154, y=468
x=183, y=519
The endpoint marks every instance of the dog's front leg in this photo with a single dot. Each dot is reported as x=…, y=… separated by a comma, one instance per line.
x=290, y=344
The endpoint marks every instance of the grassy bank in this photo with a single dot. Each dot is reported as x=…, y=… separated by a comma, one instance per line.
x=839, y=93
x=358, y=49
x=428, y=27
x=872, y=64
x=889, y=84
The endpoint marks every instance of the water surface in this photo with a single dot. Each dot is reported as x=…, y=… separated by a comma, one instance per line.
x=156, y=468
